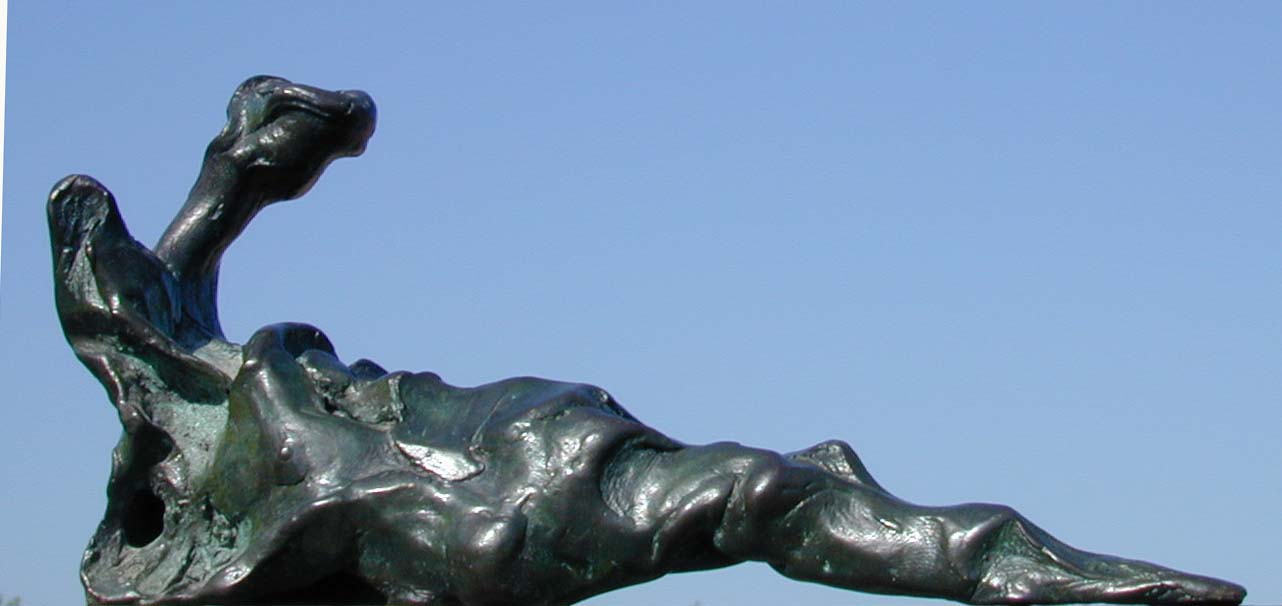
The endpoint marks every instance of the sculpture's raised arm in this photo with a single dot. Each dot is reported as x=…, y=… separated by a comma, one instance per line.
x=279, y=137
x=130, y=313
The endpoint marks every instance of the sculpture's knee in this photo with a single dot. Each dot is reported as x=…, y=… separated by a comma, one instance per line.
x=984, y=517
x=839, y=459
x=974, y=530
x=763, y=491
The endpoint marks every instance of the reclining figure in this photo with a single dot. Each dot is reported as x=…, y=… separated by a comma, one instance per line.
x=275, y=473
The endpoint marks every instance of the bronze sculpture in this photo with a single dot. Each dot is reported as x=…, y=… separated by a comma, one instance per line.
x=274, y=472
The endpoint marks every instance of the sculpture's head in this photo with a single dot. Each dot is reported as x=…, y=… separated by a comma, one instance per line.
x=79, y=207
x=281, y=135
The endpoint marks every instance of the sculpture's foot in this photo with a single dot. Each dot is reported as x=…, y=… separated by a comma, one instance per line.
x=1026, y=567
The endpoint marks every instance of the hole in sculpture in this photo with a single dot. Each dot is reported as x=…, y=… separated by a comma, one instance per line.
x=144, y=518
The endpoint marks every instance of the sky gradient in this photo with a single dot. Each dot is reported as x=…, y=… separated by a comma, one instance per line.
x=1016, y=253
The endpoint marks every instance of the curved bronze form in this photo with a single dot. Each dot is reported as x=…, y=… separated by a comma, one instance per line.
x=273, y=472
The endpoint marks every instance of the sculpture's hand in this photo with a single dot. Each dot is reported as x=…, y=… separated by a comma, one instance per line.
x=282, y=135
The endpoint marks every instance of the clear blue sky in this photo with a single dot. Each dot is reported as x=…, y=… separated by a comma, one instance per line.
x=1013, y=252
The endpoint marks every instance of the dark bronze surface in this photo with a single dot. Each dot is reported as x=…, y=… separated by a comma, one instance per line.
x=273, y=472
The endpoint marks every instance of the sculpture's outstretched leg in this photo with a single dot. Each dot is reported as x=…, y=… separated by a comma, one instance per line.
x=278, y=139
x=813, y=525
